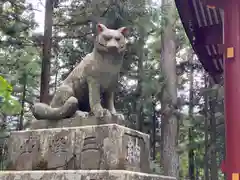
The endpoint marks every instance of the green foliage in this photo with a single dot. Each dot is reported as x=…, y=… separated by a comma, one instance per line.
x=155, y=165
x=8, y=105
x=156, y=168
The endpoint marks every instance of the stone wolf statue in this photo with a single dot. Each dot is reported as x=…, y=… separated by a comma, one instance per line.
x=90, y=86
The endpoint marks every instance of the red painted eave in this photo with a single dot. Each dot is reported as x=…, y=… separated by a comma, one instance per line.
x=216, y=3
x=204, y=28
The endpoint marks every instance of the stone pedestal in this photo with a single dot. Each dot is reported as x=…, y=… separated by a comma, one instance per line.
x=79, y=150
x=103, y=147
x=80, y=175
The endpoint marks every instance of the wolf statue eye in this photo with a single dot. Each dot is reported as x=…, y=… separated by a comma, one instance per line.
x=117, y=38
x=107, y=38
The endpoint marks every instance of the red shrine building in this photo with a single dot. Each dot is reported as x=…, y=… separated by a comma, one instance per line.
x=213, y=28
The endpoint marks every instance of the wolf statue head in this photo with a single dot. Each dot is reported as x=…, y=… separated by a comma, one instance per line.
x=110, y=40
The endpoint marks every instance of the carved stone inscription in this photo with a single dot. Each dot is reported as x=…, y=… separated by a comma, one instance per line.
x=28, y=153
x=60, y=151
x=58, y=144
x=133, y=151
x=91, y=154
x=136, y=152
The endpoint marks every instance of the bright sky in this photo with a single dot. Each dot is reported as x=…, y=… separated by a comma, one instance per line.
x=39, y=13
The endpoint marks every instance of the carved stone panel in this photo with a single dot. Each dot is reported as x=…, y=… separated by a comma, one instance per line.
x=136, y=152
x=60, y=154
x=88, y=147
x=91, y=148
x=133, y=151
x=23, y=150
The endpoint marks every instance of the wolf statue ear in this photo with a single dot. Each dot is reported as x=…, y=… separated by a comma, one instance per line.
x=101, y=27
x=123, y=30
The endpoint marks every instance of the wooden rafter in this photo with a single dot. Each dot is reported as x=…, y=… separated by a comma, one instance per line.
x=204, y=28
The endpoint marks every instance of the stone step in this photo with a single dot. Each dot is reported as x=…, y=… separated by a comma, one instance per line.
x=80, y=175
x=99, y=147
x=76, y=121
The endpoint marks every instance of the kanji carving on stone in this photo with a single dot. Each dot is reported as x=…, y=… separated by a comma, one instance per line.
x=133, y=151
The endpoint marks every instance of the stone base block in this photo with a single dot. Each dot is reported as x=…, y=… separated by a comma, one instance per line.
x=99, y=147
x=75, y=121
x=80, y=175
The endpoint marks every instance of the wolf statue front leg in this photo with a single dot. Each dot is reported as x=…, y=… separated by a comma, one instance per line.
x=95, y=99
x=109, y=100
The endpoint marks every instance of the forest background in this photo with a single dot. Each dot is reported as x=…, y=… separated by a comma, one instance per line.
x=163, y=90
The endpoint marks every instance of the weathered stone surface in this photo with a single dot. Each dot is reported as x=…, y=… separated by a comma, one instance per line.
x=75, y=121
x=103, y=147
x=80, y=175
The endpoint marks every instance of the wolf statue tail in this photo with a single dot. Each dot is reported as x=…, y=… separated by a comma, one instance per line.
x=43, y=111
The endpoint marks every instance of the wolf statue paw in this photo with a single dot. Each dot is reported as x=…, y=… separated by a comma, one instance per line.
x=103, y=113
x=119, y=116
x=81, y=114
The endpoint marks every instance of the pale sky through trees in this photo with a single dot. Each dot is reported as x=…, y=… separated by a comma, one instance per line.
x=39, y=13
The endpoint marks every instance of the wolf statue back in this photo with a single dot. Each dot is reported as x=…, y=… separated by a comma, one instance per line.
x=90, y=86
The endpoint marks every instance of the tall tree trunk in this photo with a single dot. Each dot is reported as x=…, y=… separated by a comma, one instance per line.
x=46, y=56
x=170, y=156
x=191, y=168
x=213, y=130
x=56, y=80
x=206, y=119
x=139, y=106
x=24, y=82
x=154, y=123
